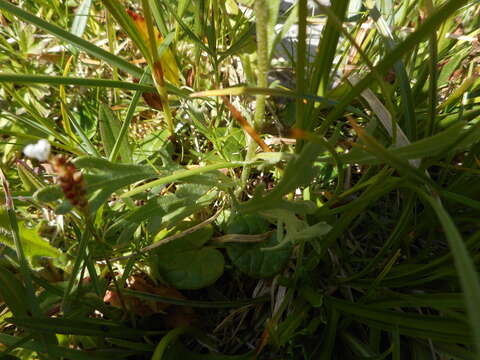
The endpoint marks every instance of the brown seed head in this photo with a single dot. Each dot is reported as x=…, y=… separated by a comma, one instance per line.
x=71, y=181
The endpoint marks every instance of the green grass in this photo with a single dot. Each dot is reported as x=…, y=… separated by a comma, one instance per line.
x=355, y=238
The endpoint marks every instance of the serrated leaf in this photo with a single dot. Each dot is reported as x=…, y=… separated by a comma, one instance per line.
x=232, y=142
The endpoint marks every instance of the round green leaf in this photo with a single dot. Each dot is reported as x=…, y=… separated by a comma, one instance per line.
x=185, y=263
x=191, y=269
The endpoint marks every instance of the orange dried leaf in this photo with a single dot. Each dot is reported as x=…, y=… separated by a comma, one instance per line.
x=168, y=62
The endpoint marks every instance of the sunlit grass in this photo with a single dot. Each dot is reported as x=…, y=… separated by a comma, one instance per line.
x=252, y=187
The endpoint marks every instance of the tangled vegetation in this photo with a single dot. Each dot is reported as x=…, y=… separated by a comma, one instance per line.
x=239, y=179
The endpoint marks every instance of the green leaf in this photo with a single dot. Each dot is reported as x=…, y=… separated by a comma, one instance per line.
x=410, y=324
x=48, y=194
x=197, y=303
x=299, y=171
x=12, y=292
x=170, y=347
x=427, y=147
x=402, y=77
x=91, y=327
x=105, y=178
x=253, y=261
x=430, y=24
x=63, y=352
x=34, y=246
x=31, y=181
x=185, y=263
x=117, y=9
x=248, y=224
x=450, y=66
x=109, y=132
x=232, y=142
x=64, y=208
x=61, y=80
x=189, y=32
x=464, y=265
x=123, y=132
x=215, y=179
x=326, y=50
x=163, y=211
x=72, y=39
x=250, y=258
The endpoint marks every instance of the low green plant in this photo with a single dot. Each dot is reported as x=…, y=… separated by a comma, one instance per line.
x=157, y=229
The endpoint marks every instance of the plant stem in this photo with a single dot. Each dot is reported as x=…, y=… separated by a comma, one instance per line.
x=157, y=68
x=261, y=12
x=300, y=68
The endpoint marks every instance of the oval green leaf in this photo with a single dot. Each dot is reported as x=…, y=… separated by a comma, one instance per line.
x=191, y=269
x=185, y=263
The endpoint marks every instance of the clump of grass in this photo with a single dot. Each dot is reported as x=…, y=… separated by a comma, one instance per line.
x=331, y=213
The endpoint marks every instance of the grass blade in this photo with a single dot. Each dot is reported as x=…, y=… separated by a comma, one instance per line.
x=423, y=31
x=72, y=39
x=64, y=80
x=81, y=18
x=463, y=263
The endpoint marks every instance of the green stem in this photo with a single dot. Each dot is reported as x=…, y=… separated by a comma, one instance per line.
x=157, y=69
x=198, y=30
x=300, y=67
x=261, y=11
x=112, y=46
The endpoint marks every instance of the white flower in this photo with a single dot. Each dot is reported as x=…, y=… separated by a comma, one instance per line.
x=324, y=2
x=39, y=151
